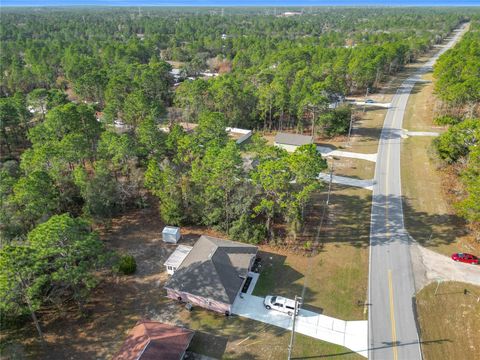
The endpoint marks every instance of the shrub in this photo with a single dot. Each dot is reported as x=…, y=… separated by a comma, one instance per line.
x=127, y=265
x=447, y=120
x=457, y=140
x=307, y=246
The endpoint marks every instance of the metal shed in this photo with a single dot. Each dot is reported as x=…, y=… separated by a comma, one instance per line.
x=171, y=234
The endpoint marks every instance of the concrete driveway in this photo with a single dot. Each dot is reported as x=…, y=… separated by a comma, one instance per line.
x=374, y=104
x=350, y=334
x=343, y=180
x=326, y=151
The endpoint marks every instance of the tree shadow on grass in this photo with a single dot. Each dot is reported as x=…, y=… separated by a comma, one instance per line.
x=432, y=230
x=386, y=345
x=277, y=277
x=208, y=344
x=347, y=220
x=419, y=85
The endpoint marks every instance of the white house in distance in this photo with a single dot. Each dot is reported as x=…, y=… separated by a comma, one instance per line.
x=176, y=258
x=291, y=142
x=171, y=234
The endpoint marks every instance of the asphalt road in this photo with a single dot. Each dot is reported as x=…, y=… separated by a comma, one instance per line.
x=393, y=332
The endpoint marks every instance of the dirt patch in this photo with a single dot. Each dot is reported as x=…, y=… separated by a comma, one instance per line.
x=431, y=266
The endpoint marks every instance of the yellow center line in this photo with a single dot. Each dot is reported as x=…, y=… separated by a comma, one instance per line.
x=392, y=316
x=390, y=284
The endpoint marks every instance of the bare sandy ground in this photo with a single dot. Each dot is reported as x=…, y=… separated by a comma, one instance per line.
x=430, y=266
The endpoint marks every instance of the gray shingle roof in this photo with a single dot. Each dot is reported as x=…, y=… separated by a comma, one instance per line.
x=293, y=139
x=214, y=269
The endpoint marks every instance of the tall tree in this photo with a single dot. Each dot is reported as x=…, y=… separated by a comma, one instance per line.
x=71, y=252
x=22, y=279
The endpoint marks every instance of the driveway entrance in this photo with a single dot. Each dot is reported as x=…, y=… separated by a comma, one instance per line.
x=350, y=334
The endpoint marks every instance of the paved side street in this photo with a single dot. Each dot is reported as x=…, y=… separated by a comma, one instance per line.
x=430, y=267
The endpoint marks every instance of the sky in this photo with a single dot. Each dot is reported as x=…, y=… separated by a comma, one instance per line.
x=291, y=3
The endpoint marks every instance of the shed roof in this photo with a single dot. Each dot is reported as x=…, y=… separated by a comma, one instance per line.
x=293, y=139
x=170, y=230
x=214, y=269
x=150, y=340
x=177, y=257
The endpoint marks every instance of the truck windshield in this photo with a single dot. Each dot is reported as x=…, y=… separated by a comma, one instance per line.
x=274, y=299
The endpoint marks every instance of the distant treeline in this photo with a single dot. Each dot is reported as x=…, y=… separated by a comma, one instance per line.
x=282, y=71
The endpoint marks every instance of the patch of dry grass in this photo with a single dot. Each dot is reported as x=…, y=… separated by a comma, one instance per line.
x=449, y=321
x=355, y=168
x=419, y=114
x=429, y=216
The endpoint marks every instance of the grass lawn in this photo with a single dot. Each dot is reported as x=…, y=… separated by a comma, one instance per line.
x=354, y=168
x=332, y=286
x=429, y=217
x=236, y=338
x=420, y=107
x=449, y=321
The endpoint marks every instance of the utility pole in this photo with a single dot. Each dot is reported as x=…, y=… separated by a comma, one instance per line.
x=298, y=300
x=350, y=129
x=330, y=182
x=365, y=103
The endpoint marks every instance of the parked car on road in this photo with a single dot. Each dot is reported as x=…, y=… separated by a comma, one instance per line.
x=280, y=304
x=466, y=258
x=369, y=101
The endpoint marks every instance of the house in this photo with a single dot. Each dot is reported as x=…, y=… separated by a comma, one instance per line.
x=155, y=340
x=291, y=142
x=212, y=274
x=176, y=258
x=171, y=234
x=239, y=135
x=290, y=13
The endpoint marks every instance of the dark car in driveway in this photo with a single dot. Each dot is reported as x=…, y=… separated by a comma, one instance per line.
x=466, y=258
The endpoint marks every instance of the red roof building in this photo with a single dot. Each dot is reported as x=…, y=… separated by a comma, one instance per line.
x=151, y=340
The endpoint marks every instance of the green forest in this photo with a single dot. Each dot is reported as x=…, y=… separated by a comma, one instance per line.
x=457, y=85
x=90, y=114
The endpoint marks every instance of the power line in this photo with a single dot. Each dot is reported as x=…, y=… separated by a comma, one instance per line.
x=319, y=229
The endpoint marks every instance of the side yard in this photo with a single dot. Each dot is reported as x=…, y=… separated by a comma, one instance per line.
x=336, y=279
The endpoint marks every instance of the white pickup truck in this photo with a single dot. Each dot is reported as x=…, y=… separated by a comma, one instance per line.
x=280, y=304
